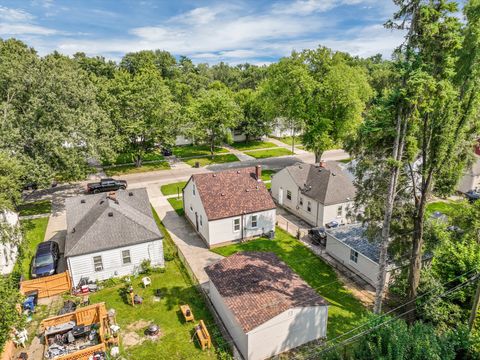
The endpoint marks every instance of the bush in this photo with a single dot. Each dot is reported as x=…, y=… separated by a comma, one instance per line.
x=146, y=267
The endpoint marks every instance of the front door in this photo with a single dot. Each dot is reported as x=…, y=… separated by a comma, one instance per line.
x=280, y=196
x=196, y=219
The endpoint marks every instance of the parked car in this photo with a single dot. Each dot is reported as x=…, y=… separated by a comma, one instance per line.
x=167, y=152
x=332, y=224
x=318, y=236
x=46, y=259
x=472, y=195
x=107, y=184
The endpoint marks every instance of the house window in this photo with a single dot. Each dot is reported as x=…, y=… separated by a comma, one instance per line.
x=309, y=206
x=97, y=263
x=201, y=221
x=340, y=210
x=126, y=257
x=254, y=221
x=289, y=195
x=301, y=201
x=193, y=187
x=236, y=225
x=353, y=256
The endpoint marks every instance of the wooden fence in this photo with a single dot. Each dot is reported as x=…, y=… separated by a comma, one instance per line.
x=84, y=354
x=48, y=286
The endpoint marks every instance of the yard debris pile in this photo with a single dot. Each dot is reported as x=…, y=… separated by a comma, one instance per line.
x=68, y=338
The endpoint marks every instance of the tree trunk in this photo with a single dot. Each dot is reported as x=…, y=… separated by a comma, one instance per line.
x=212, y=146
x=416, y=256
x=138, y=160
x=473, y=314
x=398, y=147
x=318, y=156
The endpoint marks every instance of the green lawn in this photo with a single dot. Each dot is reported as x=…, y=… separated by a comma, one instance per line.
x=217, y=159
x=262, y=154
x=173, y=189
x=268, y=185
x=445, y=207
x=35, y=208
x=345, y=311
x=176, y=289
x=345, y=161
x=267, y=174
x=129, y=157
x=177, y=205
x=34, y=234
x=132, y=169
x=195, y=150
x=251, y=145
x=288, y=140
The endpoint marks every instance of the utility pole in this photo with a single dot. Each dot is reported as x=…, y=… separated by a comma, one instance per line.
x=476, y=302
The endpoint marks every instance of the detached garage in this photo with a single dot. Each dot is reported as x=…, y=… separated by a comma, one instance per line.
x=265, y=306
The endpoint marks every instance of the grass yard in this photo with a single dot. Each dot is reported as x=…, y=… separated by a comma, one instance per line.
x=177, y=205
x=132, y=169
x=288, y=140
x=252, y=145
x=34, y=230
x=217, y=159
x=195, y=150
x=172, y=189
x=128, y=158
x=345, y=311
x=35, y=208
x=445, y=207
x=262, y=154
x=345, y=161
x=267, y=174
x=176, y=289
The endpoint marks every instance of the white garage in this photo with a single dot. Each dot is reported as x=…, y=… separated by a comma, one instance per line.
x=266, y=307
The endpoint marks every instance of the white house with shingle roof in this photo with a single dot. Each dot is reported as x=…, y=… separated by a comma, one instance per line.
x=111, y=234
x=266, y=307
x=317, y=194
x=229, y=206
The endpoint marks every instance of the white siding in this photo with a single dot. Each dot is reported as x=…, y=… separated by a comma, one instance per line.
x=330, y=213
x=228, y=319
x=222, y=230
x=82, y=265
x=193, y=205
x=286, y=331
x=182, y=140
x=364, y=267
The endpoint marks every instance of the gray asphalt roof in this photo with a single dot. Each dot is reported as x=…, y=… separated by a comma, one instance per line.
x=100, y=222
x=355, y=237
x=328, y=185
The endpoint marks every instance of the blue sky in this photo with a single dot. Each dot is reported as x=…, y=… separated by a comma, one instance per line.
x=207, y=31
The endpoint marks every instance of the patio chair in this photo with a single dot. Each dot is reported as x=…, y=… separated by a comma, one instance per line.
x=146, y=281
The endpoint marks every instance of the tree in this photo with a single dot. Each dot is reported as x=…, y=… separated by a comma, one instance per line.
x=11, y=172
x=254, y=123
x=143, y=111
x=287, y=92
x=214, y=113
x=337, y=108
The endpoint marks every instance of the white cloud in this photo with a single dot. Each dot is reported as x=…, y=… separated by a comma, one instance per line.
x=20, y=22
x=309, y=7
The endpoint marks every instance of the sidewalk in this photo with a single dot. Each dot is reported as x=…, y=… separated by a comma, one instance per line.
x=239, y=154
x=286, y=146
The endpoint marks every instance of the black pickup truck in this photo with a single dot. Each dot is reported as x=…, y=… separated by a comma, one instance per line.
x=107, y=184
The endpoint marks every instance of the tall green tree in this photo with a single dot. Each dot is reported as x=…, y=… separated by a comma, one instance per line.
x=143, y=111
x=337, y=108
x=213, y=114
x=287, y=92
x=254, y=123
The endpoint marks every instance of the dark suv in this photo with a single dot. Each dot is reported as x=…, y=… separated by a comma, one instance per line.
x=318, y=236
x=107, y=184
x=46, y=259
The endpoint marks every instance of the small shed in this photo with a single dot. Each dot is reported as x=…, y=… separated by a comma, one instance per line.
x=266, y=307
x=350, y=246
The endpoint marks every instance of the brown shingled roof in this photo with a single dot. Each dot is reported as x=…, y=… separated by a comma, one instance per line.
x=232, y=193
x=257, y=286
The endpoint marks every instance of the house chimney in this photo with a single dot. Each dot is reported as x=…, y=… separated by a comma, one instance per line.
x=322, y=163
x=258, y=172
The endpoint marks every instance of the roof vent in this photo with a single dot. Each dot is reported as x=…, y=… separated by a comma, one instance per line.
x=130, y=193
x=214, y=175
x=110, y=214
x=247, y=190
x=82, y=201
x=102, y=201
x=238, y=171
x=73, y=230
x=222, y=194
x=333, y=174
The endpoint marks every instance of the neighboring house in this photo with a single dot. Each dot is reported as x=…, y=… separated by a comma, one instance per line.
x=317, y=194
x=350, y=246
x=265, y=306
x=471, y=177
x=9, y=228
x=229, y=205
x=282, y=128
x=111, y=234
x=182, y=140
